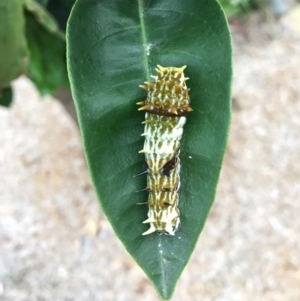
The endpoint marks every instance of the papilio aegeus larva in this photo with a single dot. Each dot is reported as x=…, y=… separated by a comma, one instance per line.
x=166, y=106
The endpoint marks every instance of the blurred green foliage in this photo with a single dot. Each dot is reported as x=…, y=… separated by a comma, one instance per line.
x=13, y=49
x=6, y=96
x=47, y=65
x=239, y=7
x=42, y=2
x=47, y=46
x=32, y=41
x=46, y=42
x=60, y=10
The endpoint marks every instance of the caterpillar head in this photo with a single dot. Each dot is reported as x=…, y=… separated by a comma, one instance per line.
x=168, y=95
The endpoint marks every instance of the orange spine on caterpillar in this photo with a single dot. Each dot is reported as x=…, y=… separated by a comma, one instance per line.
x=166, y=106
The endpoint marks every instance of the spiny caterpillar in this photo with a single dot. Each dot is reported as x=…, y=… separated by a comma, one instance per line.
x=166, y=106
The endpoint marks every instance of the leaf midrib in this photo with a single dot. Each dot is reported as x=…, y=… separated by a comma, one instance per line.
x=144, y=40
x=144, y=37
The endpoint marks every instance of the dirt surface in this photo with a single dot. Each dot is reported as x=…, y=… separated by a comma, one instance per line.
x=57, y=245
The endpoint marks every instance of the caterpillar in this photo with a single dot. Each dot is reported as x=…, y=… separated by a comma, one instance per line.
x=166, y=106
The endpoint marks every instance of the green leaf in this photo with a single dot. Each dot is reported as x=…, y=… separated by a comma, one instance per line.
x=42, y=2
x=47, y=65
x=113, y=46
x=6, y=97
x=43, y=17
x=13, y=48
x=240, y=7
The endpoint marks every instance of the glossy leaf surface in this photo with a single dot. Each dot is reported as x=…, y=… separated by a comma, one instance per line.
x=113, y=46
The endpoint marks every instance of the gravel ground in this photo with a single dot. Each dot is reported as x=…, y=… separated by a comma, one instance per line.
x=57, y=245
